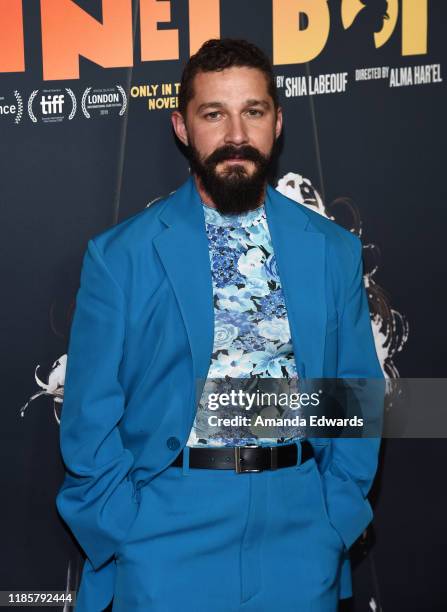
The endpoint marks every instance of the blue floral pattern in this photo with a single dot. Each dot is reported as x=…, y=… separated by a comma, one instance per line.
x=251, y=330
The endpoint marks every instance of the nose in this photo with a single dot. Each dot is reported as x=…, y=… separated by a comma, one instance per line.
x=236, y=131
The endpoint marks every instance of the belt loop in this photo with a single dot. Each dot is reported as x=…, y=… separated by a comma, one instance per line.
x=298, y=451
x=185, y=467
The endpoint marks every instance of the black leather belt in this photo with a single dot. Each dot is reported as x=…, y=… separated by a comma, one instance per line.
x=250, y=458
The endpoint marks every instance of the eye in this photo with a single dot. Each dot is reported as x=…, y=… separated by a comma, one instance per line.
x=212, y=115
x=254, y=112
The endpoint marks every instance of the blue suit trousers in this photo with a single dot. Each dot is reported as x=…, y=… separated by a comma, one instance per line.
x=216, y=540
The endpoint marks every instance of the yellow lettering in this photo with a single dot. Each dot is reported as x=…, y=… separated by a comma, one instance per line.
x=295, y=45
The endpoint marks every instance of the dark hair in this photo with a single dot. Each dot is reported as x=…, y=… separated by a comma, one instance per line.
x=217, y=54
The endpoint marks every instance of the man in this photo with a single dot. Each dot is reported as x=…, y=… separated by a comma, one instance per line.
x=224, y=278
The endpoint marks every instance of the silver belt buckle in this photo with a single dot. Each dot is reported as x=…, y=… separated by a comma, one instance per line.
x=237, y=458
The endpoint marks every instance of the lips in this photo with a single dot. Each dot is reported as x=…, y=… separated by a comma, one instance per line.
x=236, y=159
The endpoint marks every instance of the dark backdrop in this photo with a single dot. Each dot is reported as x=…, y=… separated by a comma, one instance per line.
x=373, y=154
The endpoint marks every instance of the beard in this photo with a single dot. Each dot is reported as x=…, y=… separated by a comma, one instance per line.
x=233, y=190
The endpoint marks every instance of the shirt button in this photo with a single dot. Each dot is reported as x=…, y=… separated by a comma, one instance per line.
x=173, y=443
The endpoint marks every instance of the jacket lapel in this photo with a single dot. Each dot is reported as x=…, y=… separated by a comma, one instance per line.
x=300, y=254
x=183, y=250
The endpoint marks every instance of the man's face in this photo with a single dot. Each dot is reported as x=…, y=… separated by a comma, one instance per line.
x=230, y=130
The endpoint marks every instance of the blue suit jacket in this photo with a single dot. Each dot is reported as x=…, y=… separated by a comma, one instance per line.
x=142, y=334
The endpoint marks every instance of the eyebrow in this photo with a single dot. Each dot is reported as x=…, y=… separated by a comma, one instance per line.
x=250, y=102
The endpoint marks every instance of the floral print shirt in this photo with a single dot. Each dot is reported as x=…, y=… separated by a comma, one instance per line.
x=251, y=330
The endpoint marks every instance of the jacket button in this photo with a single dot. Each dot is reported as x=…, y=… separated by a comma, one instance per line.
x=173, y=443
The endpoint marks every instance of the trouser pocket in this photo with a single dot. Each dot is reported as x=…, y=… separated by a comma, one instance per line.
x=323, y=505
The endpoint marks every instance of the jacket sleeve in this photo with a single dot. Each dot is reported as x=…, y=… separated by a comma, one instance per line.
x=96, y=498
x=353, y=462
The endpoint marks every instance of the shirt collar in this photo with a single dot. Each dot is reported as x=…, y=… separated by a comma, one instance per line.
x=252, y=217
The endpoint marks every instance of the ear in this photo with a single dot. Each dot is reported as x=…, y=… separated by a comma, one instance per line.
x=178, y=123
x=278, y=125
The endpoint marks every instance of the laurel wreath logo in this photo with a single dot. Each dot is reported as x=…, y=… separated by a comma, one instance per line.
x=124, y=106
x=74, y=103
x=84, y=98
x=30, y=105
x=19, y=107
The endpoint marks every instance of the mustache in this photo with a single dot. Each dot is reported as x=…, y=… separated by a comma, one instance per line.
x=229, y=152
